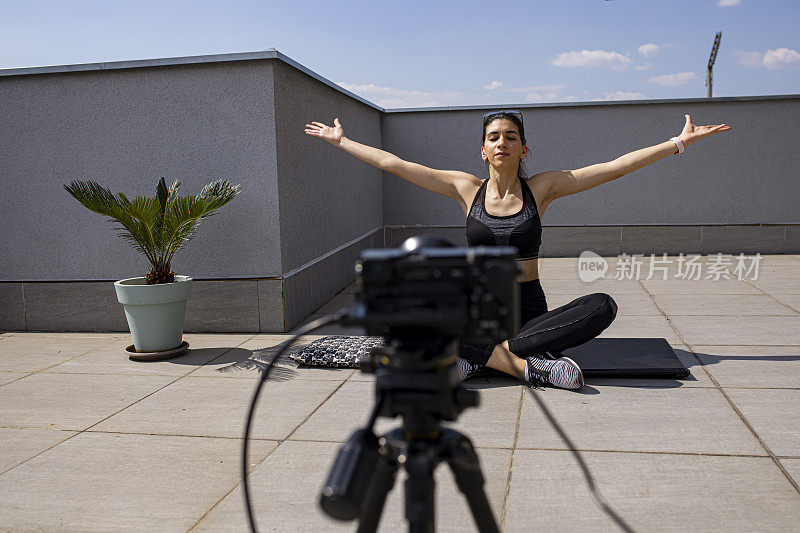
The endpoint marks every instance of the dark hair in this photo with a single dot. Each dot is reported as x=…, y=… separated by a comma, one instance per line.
x=517, y=120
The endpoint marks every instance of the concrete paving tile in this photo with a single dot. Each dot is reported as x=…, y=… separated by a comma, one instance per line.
x=71, y=401
x=330, y=329
x=8, y=377
x=216, y=340
x=31, y=352
x=216, y=407
x=641, y=326
x=686, y=420
x=336, y=303
x=752, y=366
x=781, y=270
x=793, y=467
x=745, y=330
x=720, y=304
x=110, y=482
x=358, y=375
x=288, y=482
x=492, y=424
x=792, y=300
x=113, y=359
x=699, y=286
x=650, y=492
x=779, y=286
x=777, y=259
x=610, y=286
x=19, y=445
x=344, y=412
x=774, y=415
x=285, y=492
x=248, y=359
x=627, y=304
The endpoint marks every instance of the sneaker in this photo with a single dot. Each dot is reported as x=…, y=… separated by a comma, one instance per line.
x=467, y=369
x=562, y=372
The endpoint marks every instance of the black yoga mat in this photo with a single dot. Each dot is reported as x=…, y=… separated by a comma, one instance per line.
x=623, y=358
x=635, y=358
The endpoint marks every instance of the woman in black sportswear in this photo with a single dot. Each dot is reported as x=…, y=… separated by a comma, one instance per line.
x=506, y=209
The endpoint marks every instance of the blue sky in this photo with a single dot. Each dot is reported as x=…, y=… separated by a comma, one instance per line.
x=418, y=54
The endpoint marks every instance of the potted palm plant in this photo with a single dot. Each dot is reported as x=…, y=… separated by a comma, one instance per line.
x=155, y=305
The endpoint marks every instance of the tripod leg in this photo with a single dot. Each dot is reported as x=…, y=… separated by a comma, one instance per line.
x=464, y=463
x=420, y=489
x=372, y=507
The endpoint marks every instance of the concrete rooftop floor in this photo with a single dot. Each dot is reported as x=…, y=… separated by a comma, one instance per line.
x=93, y=441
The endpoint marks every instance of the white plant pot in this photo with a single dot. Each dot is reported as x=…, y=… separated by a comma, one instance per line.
x=155, y=313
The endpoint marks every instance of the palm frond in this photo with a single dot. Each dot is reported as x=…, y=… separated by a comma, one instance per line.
x=160, y=226
x=185, y=213
x=145, y=211
x=94, y=197
x=166, y=196
x=100, y=200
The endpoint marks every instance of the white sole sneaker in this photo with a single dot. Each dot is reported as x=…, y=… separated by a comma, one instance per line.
x=563, y=373
x=578, y=368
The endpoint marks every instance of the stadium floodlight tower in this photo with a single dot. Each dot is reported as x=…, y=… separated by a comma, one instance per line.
x=710, y=74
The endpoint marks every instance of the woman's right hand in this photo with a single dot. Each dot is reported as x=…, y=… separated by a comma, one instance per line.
x=331, y=134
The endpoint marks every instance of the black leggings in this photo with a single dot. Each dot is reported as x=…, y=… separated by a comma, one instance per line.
x=564, y=327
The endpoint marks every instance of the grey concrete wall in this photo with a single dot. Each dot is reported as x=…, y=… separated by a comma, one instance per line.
x=331, y=202
x=328, y=197
x=748, y=175
x=124, y=129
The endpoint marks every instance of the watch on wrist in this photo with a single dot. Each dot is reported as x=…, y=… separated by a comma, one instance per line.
x=678, y=143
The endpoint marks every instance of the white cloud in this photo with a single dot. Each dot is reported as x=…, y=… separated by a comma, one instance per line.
x=648, y=50
x=779, y=59
x=748, y=59
x=729, y=3
x=390, y=97
x=673, y=80
x=493, y=85
x=646, y=66
x=621, y=95
x=592, y=58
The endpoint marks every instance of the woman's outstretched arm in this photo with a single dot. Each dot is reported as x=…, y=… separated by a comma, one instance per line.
x=566, y=182
x=446, y=182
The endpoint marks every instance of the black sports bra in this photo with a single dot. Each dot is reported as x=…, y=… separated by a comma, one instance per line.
x=523, y=229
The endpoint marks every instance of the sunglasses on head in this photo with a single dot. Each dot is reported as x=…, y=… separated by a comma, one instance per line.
x=507, y=111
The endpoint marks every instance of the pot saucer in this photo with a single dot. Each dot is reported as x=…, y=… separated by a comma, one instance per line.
x=156, y=356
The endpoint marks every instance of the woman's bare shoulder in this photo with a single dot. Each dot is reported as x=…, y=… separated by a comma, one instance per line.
x=466, y=183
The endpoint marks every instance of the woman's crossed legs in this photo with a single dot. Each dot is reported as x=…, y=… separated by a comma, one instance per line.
x=570, y=325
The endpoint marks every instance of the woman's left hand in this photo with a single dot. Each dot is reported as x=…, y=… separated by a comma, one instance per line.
x=691, y=133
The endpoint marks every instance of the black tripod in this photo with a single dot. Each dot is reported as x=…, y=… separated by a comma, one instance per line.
x=424, y=390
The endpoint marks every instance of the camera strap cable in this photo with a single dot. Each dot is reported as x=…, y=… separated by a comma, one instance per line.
x=337, y=317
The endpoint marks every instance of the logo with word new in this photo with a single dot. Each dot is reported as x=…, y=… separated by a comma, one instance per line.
x=591, y=266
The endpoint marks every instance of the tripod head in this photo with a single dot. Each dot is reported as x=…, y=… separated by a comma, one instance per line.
x=417, y=380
